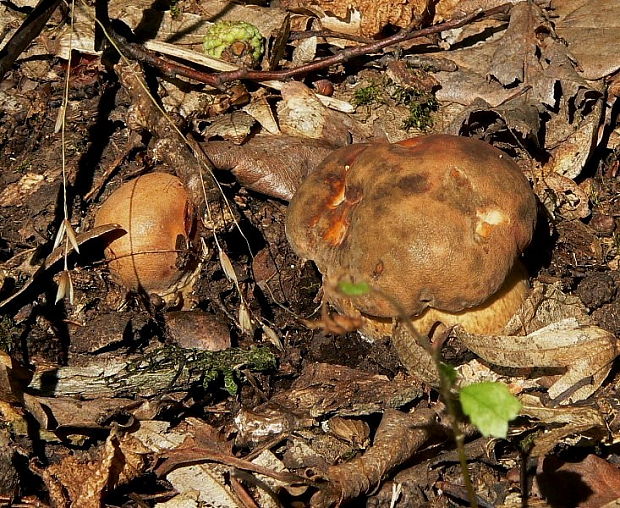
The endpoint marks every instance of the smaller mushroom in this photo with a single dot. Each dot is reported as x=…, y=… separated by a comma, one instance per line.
x=155, y=254
x=437, y=223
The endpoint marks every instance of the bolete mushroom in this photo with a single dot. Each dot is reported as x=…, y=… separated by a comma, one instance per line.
x=155, y=253
x=436, y=222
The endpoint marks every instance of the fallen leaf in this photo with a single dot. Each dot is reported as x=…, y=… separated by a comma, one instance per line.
x=589, y=483
x=235, y=127
x=373, y=16
x=82, y=479
x=398, y=437
x=301, y=114
x=597, y=56
x=585, y=352
x=324, y=390
x=272, y=165
x=562, y=422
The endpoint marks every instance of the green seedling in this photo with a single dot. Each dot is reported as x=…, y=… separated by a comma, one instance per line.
x=489, y=406
x=367, y=95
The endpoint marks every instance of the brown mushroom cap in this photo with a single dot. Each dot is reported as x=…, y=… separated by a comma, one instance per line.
x=155, y=211
x=436, y=221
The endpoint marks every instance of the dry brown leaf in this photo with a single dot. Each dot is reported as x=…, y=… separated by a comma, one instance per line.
x=353, y=430
x=590, y=483
x=398, y=437
x=81, y=480
x=546, y=304
x=598, y=56
x=561, y=196
x=324, y=390
x=448, y=9
x=516, y=55
x=563, y=422
x=585, y=352
x=301, y=113
x=570, y=154
x=374, y=16
x=305, y=51
x=66, y=414
x=273, y=165
x=261, y=111
x=532, y=75
x=235, y=127
x=202, y=483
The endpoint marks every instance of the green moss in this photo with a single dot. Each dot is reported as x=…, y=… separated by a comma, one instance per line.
x=421, y=104
x=175, y=10
x=9, y=334
x=367, y=95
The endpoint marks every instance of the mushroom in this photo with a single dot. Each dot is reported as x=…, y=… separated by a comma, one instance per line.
x=155, y=253
x=437, y=223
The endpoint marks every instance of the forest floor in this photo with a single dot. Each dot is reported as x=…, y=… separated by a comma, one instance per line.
x=236, y=391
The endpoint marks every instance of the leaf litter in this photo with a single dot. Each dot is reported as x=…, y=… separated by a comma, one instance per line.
x=338, y=414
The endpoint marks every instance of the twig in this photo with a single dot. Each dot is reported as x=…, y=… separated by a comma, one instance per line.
x=173, y=69
x=306, y=34
x=26, y=33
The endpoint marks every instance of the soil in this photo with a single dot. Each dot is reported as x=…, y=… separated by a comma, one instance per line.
x=280, y=290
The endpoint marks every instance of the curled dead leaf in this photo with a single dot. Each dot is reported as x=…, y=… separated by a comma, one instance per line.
x=373, y=16
x=586, y=353
x=562, y=196
x=564, y=422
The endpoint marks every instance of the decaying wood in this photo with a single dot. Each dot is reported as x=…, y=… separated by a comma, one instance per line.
x=166, y=369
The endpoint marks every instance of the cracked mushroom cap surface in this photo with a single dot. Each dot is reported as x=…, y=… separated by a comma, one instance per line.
x=436, y=221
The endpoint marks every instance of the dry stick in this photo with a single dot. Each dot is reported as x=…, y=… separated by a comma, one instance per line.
x=306, y=34
x=26, y=33
x=173, y=69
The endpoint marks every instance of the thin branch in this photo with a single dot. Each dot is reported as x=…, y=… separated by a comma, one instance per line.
x=173, y=69
x=26, y=33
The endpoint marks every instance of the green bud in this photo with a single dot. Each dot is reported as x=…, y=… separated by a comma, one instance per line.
x=223, y=34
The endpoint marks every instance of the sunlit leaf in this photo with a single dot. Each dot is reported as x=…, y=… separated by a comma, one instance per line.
x=71, y=235
x=245, y=320
x=60, y=234
x=65, y=287
x=272, y=337
x=489, y=406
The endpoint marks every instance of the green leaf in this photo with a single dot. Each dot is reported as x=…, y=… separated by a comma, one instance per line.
x=353, y=289
x=489, y=406
x=448, y=372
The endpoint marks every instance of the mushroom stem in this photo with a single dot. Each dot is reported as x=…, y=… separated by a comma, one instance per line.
x=488, y=318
